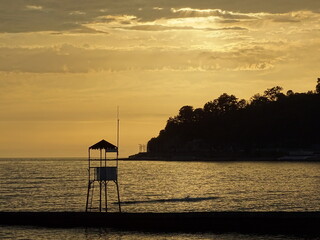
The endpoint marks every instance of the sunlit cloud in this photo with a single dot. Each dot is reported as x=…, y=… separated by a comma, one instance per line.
x=34, y=7
x=77, y=13
x=189, y=12
x=127, y=22
x=145, y=27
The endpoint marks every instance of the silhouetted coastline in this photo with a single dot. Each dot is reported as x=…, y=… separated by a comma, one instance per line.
x=272, y=126
x=285, y=158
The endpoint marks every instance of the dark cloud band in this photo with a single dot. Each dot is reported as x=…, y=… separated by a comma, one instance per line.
x=68, y=15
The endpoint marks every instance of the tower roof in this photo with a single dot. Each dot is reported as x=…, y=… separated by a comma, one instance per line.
x=103, y=144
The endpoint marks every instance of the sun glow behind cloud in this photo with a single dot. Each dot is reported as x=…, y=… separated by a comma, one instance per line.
x=34, y=7
x=61, y=80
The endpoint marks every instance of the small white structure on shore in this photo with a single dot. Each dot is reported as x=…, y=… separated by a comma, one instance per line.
x=102, y=173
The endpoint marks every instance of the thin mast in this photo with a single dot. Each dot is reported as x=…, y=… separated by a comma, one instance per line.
x=118, y=131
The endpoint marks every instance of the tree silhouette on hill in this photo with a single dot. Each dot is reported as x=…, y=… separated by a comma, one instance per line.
x=269, y=122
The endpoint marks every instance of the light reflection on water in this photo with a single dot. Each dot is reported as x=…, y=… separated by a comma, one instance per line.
x=61, y=185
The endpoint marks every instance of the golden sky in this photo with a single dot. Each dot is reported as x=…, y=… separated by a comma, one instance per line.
x=65, y=66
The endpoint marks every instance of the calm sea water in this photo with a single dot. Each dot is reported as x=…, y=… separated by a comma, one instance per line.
x=149, y=186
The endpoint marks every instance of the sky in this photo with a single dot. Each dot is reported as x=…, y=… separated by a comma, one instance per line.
x=65, y=66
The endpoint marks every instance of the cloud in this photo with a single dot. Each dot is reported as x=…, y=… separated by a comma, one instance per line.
x=190, y=39
x=34, y=7
x=205, y=19
x=68, y=58
x=247, y=6
x=198, y=22
x=77, y=13
x=189, y=12
x=147, y=27
x=117, y=19
x=67, y=15
x=227, y=29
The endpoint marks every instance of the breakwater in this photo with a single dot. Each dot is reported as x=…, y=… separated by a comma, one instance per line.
x=256, y=222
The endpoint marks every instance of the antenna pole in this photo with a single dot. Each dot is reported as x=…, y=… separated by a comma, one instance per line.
x=118, y=136
x=118, y=131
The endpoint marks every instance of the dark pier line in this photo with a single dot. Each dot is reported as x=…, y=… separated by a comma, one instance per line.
x=253, y=222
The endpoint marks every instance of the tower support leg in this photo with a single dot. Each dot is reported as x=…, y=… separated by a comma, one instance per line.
x=100, y=196
x=106, y=195
x=88, y=193
x=116, y=182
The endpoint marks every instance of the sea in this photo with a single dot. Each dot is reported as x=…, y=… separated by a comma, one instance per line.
x=60, y=184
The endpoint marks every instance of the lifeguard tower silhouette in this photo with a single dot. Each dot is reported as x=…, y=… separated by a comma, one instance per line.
x=101, y=173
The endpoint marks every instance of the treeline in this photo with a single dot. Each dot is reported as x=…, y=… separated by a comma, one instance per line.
x=268, y=122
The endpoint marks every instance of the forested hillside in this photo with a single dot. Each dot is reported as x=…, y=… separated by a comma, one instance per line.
x=268, y=123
